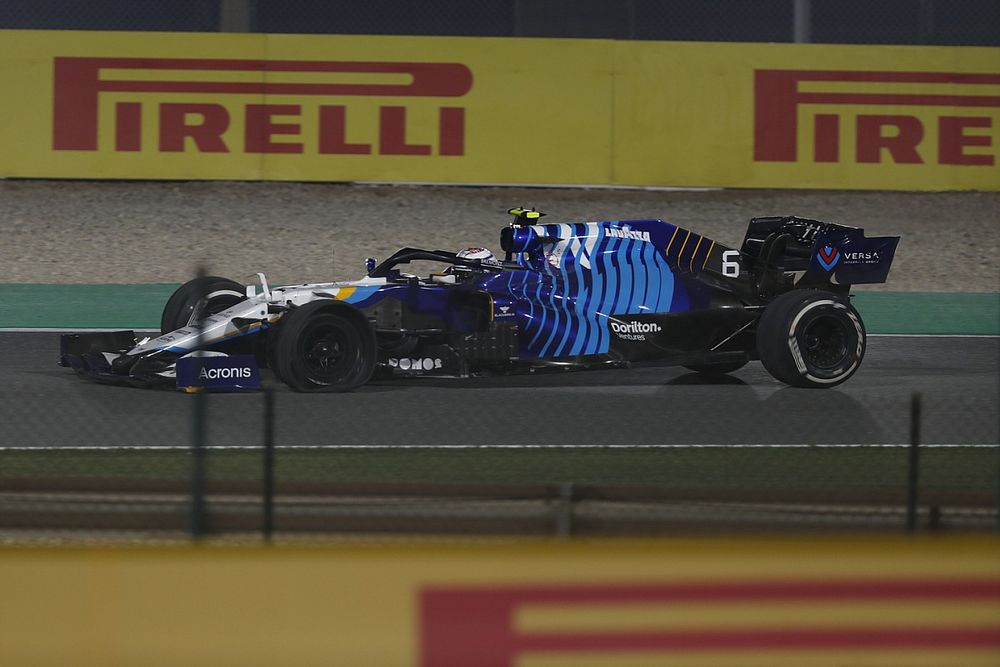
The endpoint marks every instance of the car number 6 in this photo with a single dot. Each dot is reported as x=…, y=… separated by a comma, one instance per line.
x=730, y=267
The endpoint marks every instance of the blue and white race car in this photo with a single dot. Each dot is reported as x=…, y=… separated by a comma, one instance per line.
x=580, y=295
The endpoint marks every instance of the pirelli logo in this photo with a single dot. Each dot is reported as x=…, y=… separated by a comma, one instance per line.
x=719, y=623
x=961, y=131
x=268, y=127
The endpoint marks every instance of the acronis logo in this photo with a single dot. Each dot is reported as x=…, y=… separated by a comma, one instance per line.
x=226, y=373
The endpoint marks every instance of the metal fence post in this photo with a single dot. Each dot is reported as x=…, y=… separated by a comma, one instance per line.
x=198, y=523
x=802, y=21
x=998, y=489
x=268, y=490
x=198, y=527
x=913, y=478
x=235, y=16
x=564, y=511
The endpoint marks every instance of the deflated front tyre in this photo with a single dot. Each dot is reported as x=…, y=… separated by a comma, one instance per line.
x=811, y=338
x=323, y=347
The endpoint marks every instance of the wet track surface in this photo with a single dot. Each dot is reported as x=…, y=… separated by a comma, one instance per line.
x=43, y=405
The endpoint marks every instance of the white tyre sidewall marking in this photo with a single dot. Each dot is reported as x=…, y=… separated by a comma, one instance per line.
x=793, y=343
x=223, y=292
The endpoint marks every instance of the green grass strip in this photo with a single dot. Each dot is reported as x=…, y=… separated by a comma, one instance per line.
x=966, y=313
x=83, y=306
x=139, y=307
x=842, y=475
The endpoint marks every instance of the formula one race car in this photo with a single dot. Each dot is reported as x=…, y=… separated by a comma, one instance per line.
x=581, y=295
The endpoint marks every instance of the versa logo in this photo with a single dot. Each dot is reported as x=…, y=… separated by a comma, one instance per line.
x=778, y=94
x=78, y=84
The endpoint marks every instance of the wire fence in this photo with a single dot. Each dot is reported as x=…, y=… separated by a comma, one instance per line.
x=264, y=489
x=598, y=452
x=939, y=22
x=642, y=406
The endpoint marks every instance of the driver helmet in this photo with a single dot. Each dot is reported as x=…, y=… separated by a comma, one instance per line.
x=476, y=253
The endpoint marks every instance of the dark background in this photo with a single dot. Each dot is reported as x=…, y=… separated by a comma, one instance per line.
x=944, y=22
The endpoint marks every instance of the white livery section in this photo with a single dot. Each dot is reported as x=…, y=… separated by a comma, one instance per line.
x=246, y=317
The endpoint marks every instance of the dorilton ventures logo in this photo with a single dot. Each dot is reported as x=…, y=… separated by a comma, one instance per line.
x=269, y=128
x=635, y=327
x=634, y=330
x=780, y=95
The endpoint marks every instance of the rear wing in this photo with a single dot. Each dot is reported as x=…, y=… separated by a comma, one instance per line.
x=824, y=253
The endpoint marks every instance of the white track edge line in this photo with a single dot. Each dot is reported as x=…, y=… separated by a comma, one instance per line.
x=891, y=335
x=73, y=330
x=545, y=186
x=28, y=448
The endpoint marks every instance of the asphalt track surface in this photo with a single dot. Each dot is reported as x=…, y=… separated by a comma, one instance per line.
x=43, y=405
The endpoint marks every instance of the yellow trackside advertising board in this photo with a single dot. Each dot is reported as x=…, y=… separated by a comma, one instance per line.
x=717, y=603
x=474, y=110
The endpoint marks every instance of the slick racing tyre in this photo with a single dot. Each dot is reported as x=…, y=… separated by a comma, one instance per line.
x=811, y=338
x=323, y=347
x=219, y=293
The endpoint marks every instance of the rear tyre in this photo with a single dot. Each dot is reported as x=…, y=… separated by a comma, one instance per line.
x=219, y=293
x=811, y=338
x=323, y=348
x=717, y=368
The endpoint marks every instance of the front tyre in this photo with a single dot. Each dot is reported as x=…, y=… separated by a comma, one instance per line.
x=811, y=338
x=219, y=294
x=321, y=347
